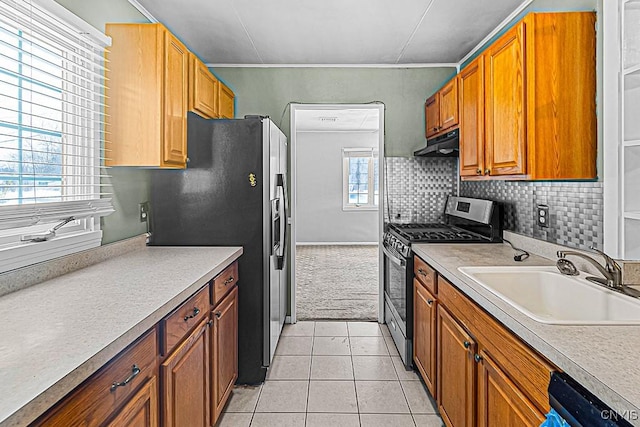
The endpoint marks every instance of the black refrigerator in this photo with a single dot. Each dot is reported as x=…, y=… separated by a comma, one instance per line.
x=234, y=193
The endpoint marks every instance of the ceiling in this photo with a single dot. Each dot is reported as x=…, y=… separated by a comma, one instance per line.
x=346, y=120
x=306, y=32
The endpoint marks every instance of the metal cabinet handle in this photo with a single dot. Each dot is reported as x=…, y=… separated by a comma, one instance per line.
x=479, y=171
x=196, y=311
x=429, y=301
x=422, y=272
x=134, y=373
x=477, y=358
x=435, y=128
x=466, y=344
x=210, y=323
x=487, y=171
x=218, y=314
x=229, y=280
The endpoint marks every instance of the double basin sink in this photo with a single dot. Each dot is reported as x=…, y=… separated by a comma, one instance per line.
x=546, y=296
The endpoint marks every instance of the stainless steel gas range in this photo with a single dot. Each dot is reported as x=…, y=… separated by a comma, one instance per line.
x=467, y=220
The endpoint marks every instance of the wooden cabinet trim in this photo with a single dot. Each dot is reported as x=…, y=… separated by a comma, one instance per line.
x=471, y=107
x=432, y=115
x=195, y=346
x=177, y=325
x=425, y=338
x=225, y=102
x=203, y=89
x=176, y=72
x=448, y=104
x=95, y=400
x=425, y=274
x=461, y=379
x=144, y=404
x=516, y=408
x=224, y=345
x=224, y=282
x=529, y=371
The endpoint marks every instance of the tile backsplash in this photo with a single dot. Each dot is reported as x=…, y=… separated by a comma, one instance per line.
x=575, y=209
x=417, y=188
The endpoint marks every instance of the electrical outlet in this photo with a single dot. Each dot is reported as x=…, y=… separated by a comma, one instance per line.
x=543, y=216
x=144, y=211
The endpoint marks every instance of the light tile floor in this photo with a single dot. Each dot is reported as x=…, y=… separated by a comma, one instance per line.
x=334, y=374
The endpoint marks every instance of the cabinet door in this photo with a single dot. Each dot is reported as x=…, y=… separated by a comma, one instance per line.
x=505, y=104
x=471, y=104
x=226, y=97
x=142, y=408
x=203, y=90
x=449, y=104
x=456, y=372
x=500, y=403
x=176, y=69
x=424, y=335
x=224, y=351
x=185, y=381
x=432, y=115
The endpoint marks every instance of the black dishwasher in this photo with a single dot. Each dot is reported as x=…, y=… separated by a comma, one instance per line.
x=579, y=408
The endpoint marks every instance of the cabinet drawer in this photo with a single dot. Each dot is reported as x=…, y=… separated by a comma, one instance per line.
x=176, y=326
x=528, y=370
x=100, y=396
x=425, y=274
x=224, y=282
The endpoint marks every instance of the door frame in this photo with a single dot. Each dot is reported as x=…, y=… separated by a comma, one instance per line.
x=381, y=170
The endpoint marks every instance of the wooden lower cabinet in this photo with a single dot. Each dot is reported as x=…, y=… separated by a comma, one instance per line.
x=456, y=372
x=224, y=348
x=185, y=378
x=141, y=410
x=500, y=402
x=424, y=345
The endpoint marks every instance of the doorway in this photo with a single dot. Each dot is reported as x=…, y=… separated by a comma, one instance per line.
x=336, y=204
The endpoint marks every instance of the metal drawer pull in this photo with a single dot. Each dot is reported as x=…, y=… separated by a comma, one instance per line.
x=466, y=344
x=229, y=280
x=429, y=301
x=196, y=311
x=477, y=358
x=218, y=314
x=134, y=373
x=422, y=272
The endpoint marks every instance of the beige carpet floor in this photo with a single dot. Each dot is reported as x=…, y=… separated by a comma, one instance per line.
x=337, y=282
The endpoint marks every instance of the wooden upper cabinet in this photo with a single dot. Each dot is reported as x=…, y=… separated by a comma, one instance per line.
x=456, y=372
x=225, y=351
x=203, y=89
x=505, y=104
x=539, y=101
x=186, y=382
x=146, y=97
x=432, y=115
x=424, y=341
x=449, y=104
x=500, y=402
x=226, y=98
x=176, y=75
x=471, y=106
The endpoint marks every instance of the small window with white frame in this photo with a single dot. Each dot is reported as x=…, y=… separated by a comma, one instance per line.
x=51, y=133
x=360, y=179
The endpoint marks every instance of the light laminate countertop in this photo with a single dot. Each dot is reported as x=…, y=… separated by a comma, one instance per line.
x=54, y=335
x=604, y=359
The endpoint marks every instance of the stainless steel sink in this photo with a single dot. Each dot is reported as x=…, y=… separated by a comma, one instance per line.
x=547, y=296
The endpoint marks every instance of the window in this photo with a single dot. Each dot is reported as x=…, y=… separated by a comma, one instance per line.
x=360, y=178
x=51, y=118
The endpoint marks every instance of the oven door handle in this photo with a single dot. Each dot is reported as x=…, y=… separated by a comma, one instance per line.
x=393, y=258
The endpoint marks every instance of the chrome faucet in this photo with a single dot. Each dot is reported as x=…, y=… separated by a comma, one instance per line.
x=611, y=270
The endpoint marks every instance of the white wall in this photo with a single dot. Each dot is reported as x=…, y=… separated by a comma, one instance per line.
x=320, y=217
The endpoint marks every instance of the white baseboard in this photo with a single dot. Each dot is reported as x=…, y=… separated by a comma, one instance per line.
x=287, y=320
x=336, y=243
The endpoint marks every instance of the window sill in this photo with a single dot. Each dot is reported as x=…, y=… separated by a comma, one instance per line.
x=359, y=208
x=30, y=253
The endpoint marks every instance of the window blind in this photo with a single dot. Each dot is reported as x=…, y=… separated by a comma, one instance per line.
x=51, y=115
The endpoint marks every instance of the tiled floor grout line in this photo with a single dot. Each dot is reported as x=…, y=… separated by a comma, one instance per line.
x=353, y=371
x=313, y=341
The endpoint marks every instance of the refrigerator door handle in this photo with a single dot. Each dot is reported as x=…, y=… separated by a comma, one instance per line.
x=281, y=255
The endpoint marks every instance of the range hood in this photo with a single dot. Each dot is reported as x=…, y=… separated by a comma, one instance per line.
x=447, y=145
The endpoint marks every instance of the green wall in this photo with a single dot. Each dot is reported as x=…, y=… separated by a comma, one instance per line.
x=403, y=91
x=130, y=185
